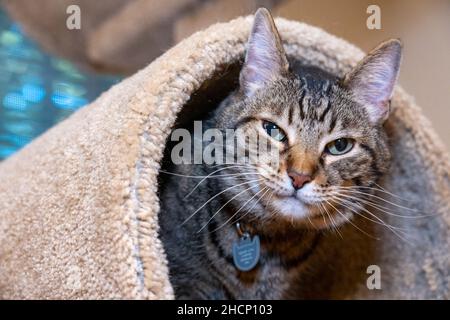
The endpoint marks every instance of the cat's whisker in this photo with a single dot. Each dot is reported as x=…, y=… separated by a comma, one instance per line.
x=215, y=196
x=221, y=176
x=374, y=189
x=310, y=222
x=333, y=222
x=226, y=164
x=248, y=211
x=198, y=184
x=348, y=204
x=379, y=198
x=224, y=205
x=355, y=206
x=357, y=194
x=238, y=166
x=394, y=230
x=361, y=202
x=271, y=216
x=254, y=205
x=196, y=176
x=349, y=221
x=266, y=189
x=382, y=208
x=324, y=218
x=228, y=175
x=385, y=190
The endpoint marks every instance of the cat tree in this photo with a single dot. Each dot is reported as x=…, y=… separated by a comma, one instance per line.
x=78, y=206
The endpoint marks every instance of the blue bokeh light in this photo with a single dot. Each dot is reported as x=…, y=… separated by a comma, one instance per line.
x=33, y=92
x=67, y=101
x=37, y=90
x=14, y=101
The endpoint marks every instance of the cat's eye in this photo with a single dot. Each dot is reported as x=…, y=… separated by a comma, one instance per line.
x=339, y=146
x=274, y=131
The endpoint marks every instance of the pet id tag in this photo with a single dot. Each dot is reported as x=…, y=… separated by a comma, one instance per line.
x=246, y=252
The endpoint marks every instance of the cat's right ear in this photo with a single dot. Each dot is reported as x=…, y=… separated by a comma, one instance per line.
x=372, y=81
x=265, y=59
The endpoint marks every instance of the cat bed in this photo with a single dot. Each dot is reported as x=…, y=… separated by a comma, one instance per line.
x=79, y=205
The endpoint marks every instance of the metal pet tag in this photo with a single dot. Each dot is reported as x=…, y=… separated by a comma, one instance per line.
x=246, y=252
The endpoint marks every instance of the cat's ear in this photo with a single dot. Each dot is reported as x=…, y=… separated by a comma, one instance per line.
x=372, y=81
x=265, y=59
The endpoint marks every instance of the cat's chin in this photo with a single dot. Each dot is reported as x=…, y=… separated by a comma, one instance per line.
x=308, y=215
x=291, y=206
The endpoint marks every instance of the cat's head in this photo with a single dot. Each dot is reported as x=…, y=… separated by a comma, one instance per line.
x=328, y=134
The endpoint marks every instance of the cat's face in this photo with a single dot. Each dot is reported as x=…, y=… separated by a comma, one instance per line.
x=328, y=135
x=324, y=142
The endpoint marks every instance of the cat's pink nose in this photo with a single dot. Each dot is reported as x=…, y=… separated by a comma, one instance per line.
x=298, y=179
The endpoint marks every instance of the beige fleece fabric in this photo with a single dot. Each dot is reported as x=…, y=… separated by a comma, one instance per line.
x=79, y=205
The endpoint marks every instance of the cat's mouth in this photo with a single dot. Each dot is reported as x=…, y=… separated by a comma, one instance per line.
x=310, y=209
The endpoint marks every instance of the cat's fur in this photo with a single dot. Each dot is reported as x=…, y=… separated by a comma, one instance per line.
x=313, y=109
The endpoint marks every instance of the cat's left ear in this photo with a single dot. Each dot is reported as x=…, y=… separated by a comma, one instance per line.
x=372, y=81
x=265, y=59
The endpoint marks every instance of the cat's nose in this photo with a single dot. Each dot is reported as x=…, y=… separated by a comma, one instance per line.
x=298, y=179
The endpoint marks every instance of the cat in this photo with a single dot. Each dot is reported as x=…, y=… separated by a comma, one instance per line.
x=329, y=137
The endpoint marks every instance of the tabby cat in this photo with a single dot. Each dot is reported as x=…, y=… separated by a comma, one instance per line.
x=329, y=136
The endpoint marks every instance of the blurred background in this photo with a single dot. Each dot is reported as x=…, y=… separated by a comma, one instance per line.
x=48, y=70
